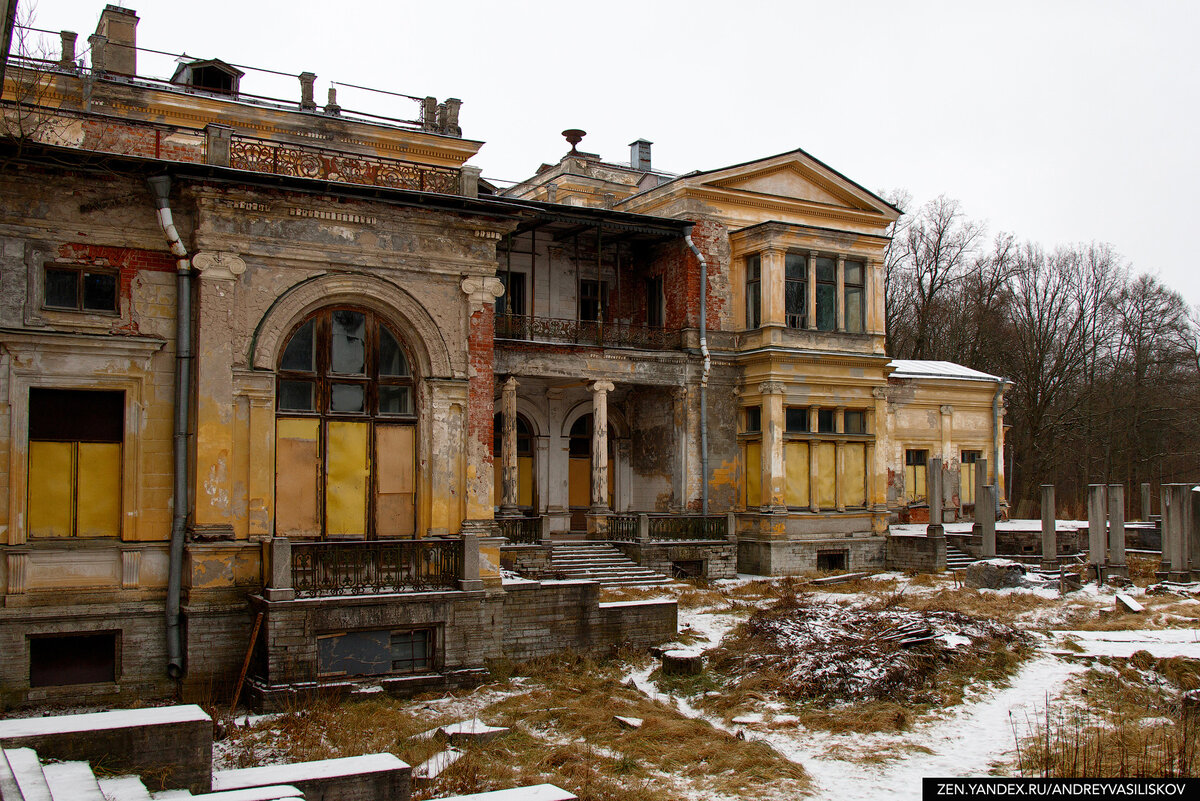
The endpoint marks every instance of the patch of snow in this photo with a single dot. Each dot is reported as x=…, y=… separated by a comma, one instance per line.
x=115, y=719
x=303, y=771
x=536, y=792
x=1160, y=643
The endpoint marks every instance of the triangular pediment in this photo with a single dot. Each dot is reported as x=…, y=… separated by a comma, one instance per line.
x=795, y=176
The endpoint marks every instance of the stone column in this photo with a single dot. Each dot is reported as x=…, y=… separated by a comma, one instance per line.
x=1176, y=499
x=556, y=484
x=1146, y=508
x=840, y=301
x=481, y=404
x=1049, y=529
x=679, y=481
x=279, y=581
x=212, y=479
x=508, y=448
x=1116, y=530
x=1167, y=513
x=812, y=290
x=774, y=479
x=1097, y=528
x=934, y=486
x=980, y=482
x=988, y=524
x=600, y=390
x=947, y=434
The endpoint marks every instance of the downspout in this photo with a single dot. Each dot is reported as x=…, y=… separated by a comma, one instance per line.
x=161, y=186
x=704, y=372
x=996, y=428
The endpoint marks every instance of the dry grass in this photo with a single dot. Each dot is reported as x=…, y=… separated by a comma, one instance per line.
x=1001, y=608
x=1124, y=719
x=1162, y=612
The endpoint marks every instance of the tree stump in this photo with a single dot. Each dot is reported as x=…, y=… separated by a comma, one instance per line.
x=682, y=663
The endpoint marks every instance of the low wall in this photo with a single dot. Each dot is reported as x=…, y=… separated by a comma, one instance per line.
x=545, y=618
x=174, y=743
x=530, y=561
x=717, y=558
x=915, y=553
x=787, y=557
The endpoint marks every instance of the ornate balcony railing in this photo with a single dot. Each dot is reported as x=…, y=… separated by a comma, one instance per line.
x=623, y=528
x=260, y=155
x=521, y=530
x=585, y=332
x=370, y=567
x=672, y=528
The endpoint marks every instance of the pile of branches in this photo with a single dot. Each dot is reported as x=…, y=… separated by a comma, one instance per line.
x=829, y=652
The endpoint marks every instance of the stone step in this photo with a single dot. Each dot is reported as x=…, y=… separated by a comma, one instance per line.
x=602, y=563
x=27, y=774
x=124, y=788
x=72, y=781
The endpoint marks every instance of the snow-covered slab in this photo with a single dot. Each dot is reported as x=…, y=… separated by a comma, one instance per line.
x=124, y=788
x=299, y=772
x=73, y=780
x=473, y=730
x=436, y=764
x=27, y=773
x=278, y=792
x=1159, y=643
x=1124, y=601
x=643, y=602
x=922, y=368
x=92, y=721
x=628, y=722
x=536, y=792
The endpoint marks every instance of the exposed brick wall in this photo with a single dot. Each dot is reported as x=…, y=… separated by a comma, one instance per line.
x=128, y=261
x=794, y=557
x=481, y=390
x=131, y=139
x=719, y=560
x=916, y=554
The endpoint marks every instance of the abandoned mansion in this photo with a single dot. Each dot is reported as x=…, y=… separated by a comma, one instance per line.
x=282, y=379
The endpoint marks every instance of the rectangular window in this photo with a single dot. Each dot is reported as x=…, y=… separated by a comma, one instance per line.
x=513, y=299
x=826, y=293
x=856, y=422
x=412, y=651
x=55, y=661
x=825, y=421
x=796, y=420
x=654, y=301
x=753, y=291
x=915, y=475
x=796, y=297
x=80, y=289
x=853, y=281
x=593, y=299
x=75, y=439
x=753, y=418
x=966, y=477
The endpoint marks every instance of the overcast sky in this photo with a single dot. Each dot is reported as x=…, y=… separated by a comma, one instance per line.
x=1057, y=121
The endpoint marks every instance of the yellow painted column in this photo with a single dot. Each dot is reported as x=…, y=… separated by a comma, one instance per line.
x=213, y=475
x=774, y=480
x=773, y=312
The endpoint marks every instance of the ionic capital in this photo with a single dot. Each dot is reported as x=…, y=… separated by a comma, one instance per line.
x=215, y=264
x=771, y=388
x=482, y=290
x=601, y=386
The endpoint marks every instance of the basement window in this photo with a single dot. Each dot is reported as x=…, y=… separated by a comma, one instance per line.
x=80, y=289
x=829, y=561
x=55, y=661
x=412, y=651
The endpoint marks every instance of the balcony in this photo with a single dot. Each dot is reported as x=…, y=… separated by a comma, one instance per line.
x=371, y=567
x=600, y=334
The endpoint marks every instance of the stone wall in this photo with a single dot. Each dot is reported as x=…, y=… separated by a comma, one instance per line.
x=766, y=557
x=916, y=553
x=531, y=561
x=543, y=619
x=718, y=560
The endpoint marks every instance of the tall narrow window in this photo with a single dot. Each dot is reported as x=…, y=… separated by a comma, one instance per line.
x=796, y=300
x=826, y=294
x=966, y=480
x=796, y=420
x=753, y=419
x=513, y=299
x=855, y=270
x=654, y=301
x=915, y=475
x=753, y=291
x=75, y=439
x=593, y=299
x=855, y=422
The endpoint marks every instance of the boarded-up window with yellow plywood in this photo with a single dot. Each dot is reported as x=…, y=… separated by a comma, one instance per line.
x=966, y=476
x=915, y=475
x=854, y=475
x=795, y=460
x=74, y=481
x=347, y=467
x=395, y=480
x=297, y=477
x=827, y=475
x=753, y=474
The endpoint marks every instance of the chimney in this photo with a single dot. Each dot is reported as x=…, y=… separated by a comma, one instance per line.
x=67, y=57
x=639, y=154
x=307, y=102
x=119, y=26
x=98, y=45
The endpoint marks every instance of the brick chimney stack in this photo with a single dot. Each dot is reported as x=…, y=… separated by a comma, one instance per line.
x=119, y=27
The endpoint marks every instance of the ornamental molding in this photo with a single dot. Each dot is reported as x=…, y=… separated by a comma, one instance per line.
x=771, y=388
x=482, y=290
x=219, y=265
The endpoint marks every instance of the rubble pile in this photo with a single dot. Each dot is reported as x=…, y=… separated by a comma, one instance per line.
x=829, y=652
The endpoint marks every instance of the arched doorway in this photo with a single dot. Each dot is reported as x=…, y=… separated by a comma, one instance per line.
x=526, y=495
x=346, y=419
x=579, y=471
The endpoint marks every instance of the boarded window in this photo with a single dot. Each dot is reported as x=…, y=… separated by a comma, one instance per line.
x=753, y=474
x=966, y=479
x=795, y=461
x=72, y=659
x=828, y=561
x=376, y=652
x=75, y=440
x=915, y=475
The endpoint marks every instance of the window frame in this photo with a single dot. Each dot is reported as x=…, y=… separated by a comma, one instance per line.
x=848, y=288
x=81, y=272
x=506, y=303
x=600, y=287
x=830, y=285
x=656, y=302
x=791, y=319
x=754, y=291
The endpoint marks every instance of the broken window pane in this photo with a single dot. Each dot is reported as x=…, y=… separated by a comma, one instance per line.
x=296, y=396
x=348, y=348
x=391, y=358
x=346, y=398
x=299, y=352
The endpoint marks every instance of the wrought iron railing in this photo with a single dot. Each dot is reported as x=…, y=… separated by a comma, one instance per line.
x=672, y=528
x=586, y=332
x=623, y=528
x=521, y=530
x=260, y=155
x=370, y=567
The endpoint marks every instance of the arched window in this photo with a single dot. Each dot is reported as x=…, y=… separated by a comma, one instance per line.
x=345, y=429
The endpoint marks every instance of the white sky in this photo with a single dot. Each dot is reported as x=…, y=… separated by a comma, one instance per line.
x=1058, y=121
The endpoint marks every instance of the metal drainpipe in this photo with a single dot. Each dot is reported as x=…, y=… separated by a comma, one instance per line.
x=999, y=393
x=161, y=186
x=704, y=374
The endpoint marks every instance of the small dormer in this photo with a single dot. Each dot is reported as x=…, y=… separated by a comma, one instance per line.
x=208, y=75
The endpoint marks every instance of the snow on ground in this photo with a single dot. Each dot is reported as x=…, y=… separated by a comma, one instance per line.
x=1160, y=643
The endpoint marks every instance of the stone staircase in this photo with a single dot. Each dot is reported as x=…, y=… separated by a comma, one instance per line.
x=602, y=563
x=24, y=777
x=956, y=559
